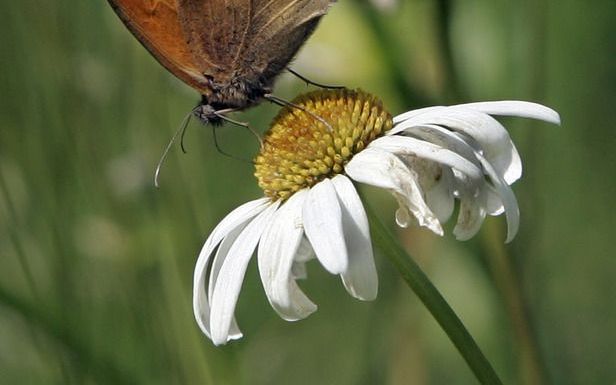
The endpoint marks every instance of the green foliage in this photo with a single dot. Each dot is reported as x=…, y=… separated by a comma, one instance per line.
x=96, y=264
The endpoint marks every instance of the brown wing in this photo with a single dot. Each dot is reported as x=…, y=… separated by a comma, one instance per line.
x=156, y=25
x=251, y=39
x=279, y=29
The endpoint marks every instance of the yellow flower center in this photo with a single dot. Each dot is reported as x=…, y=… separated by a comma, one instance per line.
x=300, y=149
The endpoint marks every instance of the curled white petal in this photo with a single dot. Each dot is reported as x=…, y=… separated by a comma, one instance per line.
x=444, y=138
x=493, y=139
x=380, y=168
x=510, y=203
x=440, y=197
x=298, y=270
x=360, y=279
x=470, y=217
x=323, y=225
x=235, y=219
x=413, y=113
x=221, y=255
x=454, y=142
x=276, y=256
x=231, y=276
x=494, y=203
x=303, y=254
x=515, y=108
x=402, y=145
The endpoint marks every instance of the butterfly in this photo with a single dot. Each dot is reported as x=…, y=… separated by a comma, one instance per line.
x=230, y=51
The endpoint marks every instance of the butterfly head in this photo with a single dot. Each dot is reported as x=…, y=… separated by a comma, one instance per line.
x=207, y=114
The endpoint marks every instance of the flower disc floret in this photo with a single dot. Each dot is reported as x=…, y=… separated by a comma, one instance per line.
x=316, y=137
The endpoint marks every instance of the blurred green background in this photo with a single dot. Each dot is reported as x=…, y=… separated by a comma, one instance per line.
x=96, y=264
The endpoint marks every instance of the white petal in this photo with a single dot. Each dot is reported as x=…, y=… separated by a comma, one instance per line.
x=454, y=142
x=237, y=218
x=444, y=138
x=304, y=252
x=323, y=225
x=504, y=108
x=516, y=108
x=402, y=145
x=440, y=197
x=512, y=211
x=276, y=256
x=413, y=113
x=379, y=168
x=493, y=139
x=360, y=280
x=494, y=203
x=231, y=275
x=221, y=254
x=298, y=270
x=470, y=217
x=403, y=215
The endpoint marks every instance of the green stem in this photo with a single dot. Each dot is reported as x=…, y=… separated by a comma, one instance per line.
x=433, y=301
x=508, y=283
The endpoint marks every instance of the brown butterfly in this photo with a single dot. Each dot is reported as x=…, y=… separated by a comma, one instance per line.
x=229, y=50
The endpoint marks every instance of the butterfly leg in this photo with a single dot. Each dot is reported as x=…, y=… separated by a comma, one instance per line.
x=223, y=152
x=285, y=103
x=310, y=82
x=222, y=115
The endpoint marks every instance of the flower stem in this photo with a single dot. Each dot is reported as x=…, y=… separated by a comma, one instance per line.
x=433, y=301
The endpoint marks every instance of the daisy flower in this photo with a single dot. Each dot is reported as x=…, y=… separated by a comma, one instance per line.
x=427, y=158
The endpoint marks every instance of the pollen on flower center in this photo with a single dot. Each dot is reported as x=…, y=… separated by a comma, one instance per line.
x=300, y=149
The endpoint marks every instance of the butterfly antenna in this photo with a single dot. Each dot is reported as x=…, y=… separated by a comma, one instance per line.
x=221, y=115
x=286, y=103
x=180, y=131
x=310, y=82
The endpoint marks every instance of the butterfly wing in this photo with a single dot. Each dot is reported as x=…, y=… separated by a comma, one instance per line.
x=156, y=25
x=278, y=30
x=251, y=40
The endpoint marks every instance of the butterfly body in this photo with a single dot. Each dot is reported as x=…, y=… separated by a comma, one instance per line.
x=230, y=51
